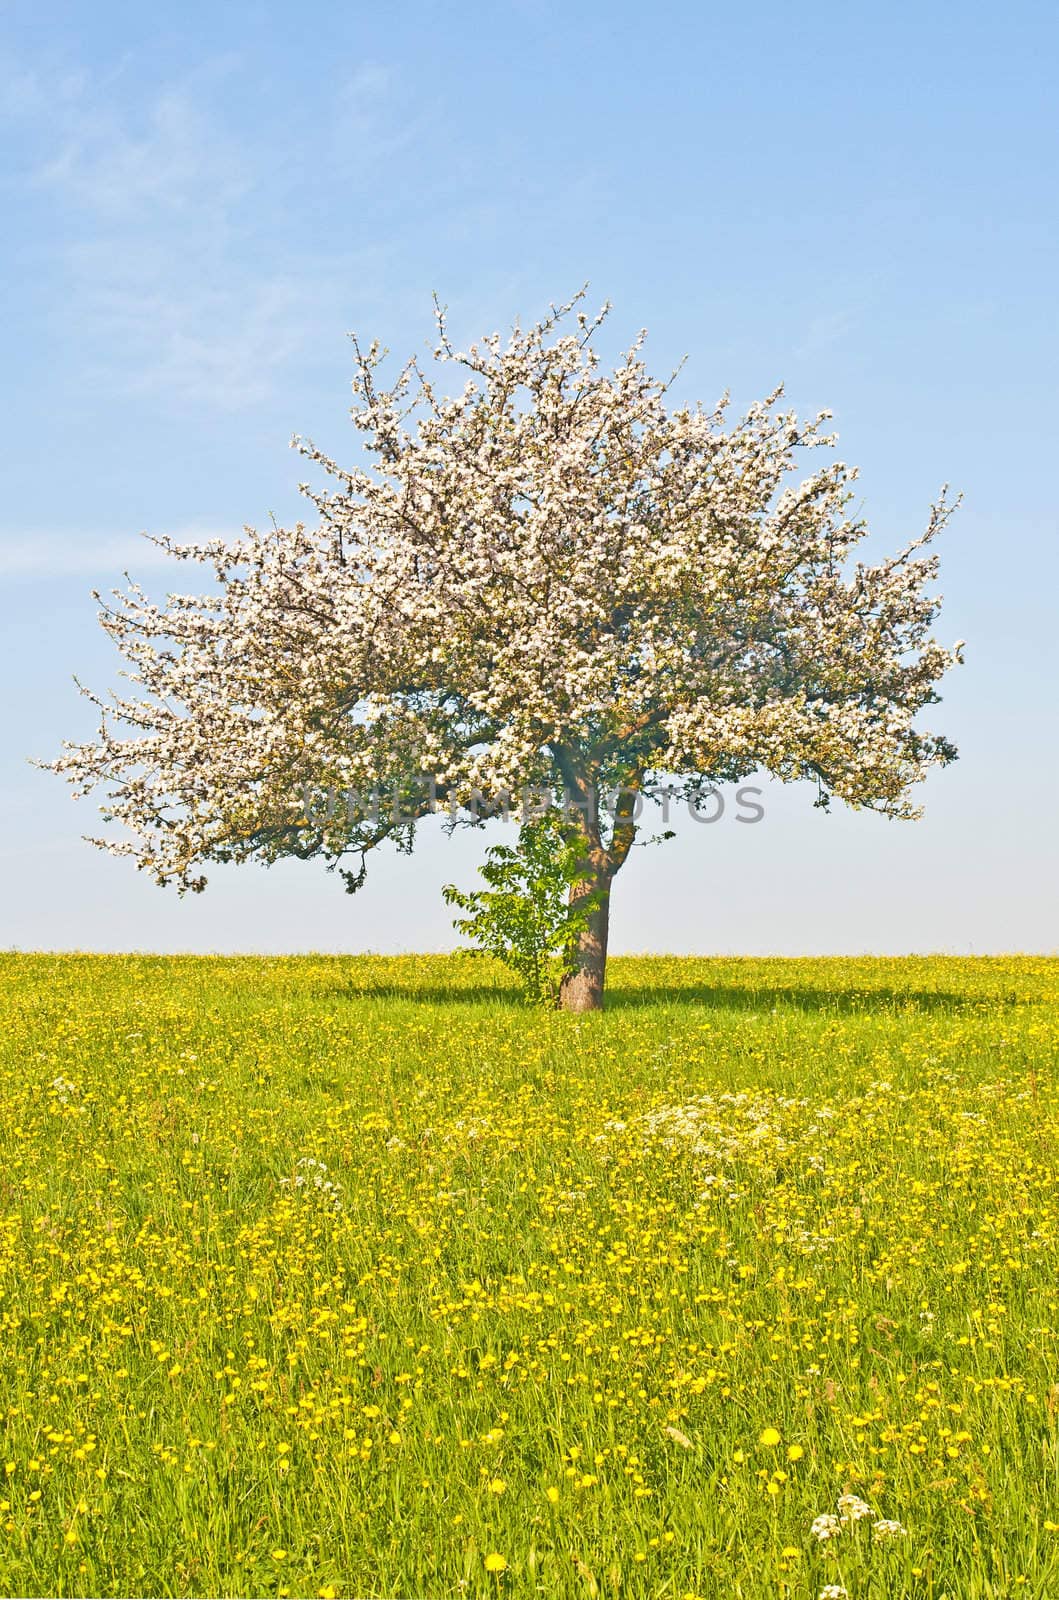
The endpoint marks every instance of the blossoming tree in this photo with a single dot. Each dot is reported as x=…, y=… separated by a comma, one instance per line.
x=550, y=581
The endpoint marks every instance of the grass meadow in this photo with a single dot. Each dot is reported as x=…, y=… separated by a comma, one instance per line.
x=356, y=1277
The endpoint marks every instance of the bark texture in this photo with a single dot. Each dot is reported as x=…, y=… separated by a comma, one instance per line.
x=582, y=989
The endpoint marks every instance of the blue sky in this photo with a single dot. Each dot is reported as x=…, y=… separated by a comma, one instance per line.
x=201, y=202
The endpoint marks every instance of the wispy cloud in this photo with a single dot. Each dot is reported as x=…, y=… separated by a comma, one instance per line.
x=179, y=165
x=102, y=559
x=825, y=330
x=177, y=280
x=161, y=282
x=25, y=93
x=196, y=330
x=369, y=123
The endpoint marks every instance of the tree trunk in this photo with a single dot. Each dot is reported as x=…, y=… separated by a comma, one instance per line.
x=582, y=989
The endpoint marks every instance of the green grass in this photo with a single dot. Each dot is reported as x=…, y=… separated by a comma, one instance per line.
x=571, y=1273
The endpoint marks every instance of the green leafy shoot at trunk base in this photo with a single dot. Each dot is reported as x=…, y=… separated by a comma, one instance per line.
x=525, y=916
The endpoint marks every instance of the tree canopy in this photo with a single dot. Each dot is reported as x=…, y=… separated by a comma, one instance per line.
x=550, y=578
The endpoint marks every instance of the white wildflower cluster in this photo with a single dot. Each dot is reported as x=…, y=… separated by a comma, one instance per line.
x=724, y=1126
x=812, y=1244
x=725, y=1134
x=468, y=1128
x=885, y=1529
x=63, y=1090
x=311, y=1178
x=551, y=579
x=851, y=1509
x=834, y=1591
